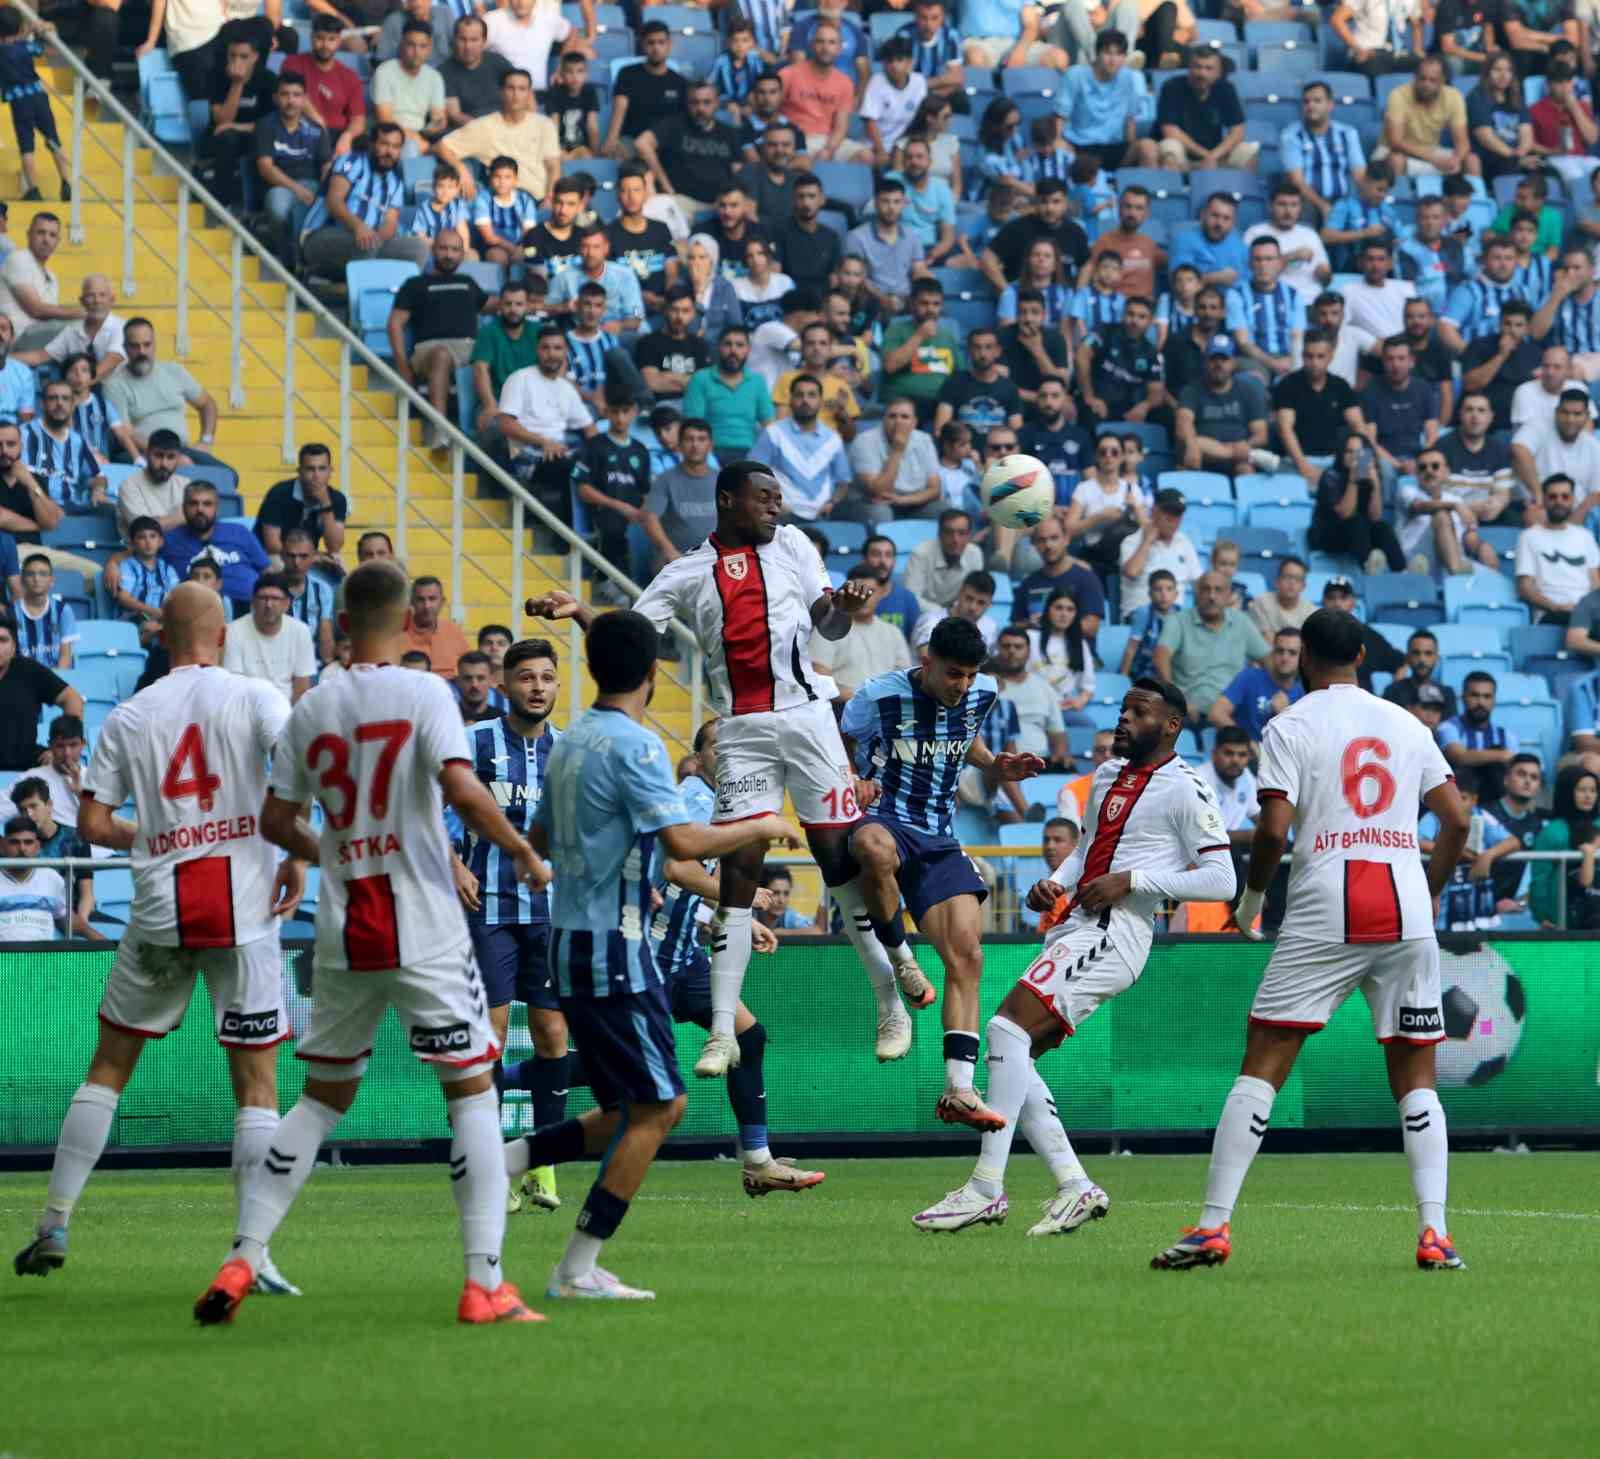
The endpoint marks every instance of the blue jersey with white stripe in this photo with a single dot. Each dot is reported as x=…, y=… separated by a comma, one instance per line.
x=1326, y=160
x=312, y=605
x=66, y=467
x=916, y=747
x=1474, y=307
x=1535, y=278
x=507, y=217
x=93, y=418
x=149, y=582
x=372, y=194
x=514, y=771
x=42, y=639
x=586, y=359
x=932, y=58
x=1577, y=325
x=1269, y=318
x=1096, y=311
x=608, y=789
x=673, y=927
x=734, y=80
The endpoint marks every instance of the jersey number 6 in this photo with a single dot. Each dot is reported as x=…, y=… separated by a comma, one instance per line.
x=1355, y=774
x=333, y=751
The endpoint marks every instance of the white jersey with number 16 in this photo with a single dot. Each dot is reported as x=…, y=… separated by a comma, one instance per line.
x=1355, y=768
x=192, y=752
x=369, y=745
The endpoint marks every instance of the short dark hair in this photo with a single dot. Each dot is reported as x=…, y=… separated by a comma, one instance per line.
x=271, y=581
x=164, y=440
x=499, y=628
x=34, y=557
x=1522, y=757
x=1232, y=734
x=1111, y=40
x=960, y=641
x=473, y=656
x=415, y=656
x=1417, y=633
x=980, y=582
x=18, y=825
x=1478, y=676
x=1171, y=693
x=770, y=874
x=622, y=649
x=1332, y=636
x=143, y=524
x=310, y=449
x=654, y=27
x=66, y=727
x=949, y=514
x=30, y=788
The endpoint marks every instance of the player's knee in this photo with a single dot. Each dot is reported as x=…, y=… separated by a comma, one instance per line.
x=875, y=850
x=674, y=1111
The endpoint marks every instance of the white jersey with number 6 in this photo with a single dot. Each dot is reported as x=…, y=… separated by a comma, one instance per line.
x=1355, y=768
x=192, y=751
x=369, y=745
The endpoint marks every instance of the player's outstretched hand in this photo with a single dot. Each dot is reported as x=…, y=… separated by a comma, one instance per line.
x=531, y=870
x=762, y=937
x=867, y=793
x=288, y=886
x=466, y=884
x=854, y=595
x=1013, y=765
x=1042, y=896
x=776, y=828
x=1104, y=890
x=1247, y=912
x=553, y=606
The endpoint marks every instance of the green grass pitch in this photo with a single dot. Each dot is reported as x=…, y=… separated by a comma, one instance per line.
x=823, y=1324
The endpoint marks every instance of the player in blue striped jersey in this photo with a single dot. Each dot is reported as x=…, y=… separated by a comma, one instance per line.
x=689, y=891
x=610, y=797
x=509, y=922
x=918, y=730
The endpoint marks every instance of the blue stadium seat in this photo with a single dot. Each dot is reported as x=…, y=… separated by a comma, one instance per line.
x=1292, y=518
x=1020, y=81
x=1514, y=688
x=1497, y=615
x=372, y=284
x=1216, y=32
x=1103, y=716
x=1541, y=641
x=1288, y=58
x=490, y=276
x=1004, y=592
x=1405, y=597
x=1351, y=86
x=1484, y=589
x=1110, y=686
x=1459, y=640
x=849, y=183
x=1256, y=583
x=909, y=535
x=1157, y=180
x=414, y=171
x=1209, y=486
x=690, y=20
x=1271, y=542
x=1204, y=524
x=1151, y=436
x=1043, y=790
x=1275, y=490
x=1111, y=641
x=970, y=314
x=1260, y=86
x=1241, y=185
x=845, y=539
x=696, y=54
x=1275, y=32
x=964, y=283
x=224, y=478
x=1538, y=726
x=109, y=637
x=1396, y=634
x=86, y=531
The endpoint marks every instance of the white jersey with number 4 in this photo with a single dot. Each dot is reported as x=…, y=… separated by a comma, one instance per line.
x=192, y=751
x=369, y=745
x=1355, y=768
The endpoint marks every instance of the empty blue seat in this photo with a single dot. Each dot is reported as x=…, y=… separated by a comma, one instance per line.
x=1197, y=485
x=845, y=539
x=107, y=636
x=1288, y=58
x=1111, y=641
x=1020, y=81
x=907, y=536
x=372, y=284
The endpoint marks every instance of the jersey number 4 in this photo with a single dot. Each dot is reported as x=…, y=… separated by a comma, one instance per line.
x=1368, y=787
x=187, y=772
x=330, y=754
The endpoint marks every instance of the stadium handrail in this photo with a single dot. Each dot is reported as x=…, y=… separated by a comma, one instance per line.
x=351, y=346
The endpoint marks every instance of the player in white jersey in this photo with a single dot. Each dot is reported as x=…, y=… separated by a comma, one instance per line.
x=191, y=750
x=1157, y=836
x=376, y=747
x=1347, y=771
x=752, y=594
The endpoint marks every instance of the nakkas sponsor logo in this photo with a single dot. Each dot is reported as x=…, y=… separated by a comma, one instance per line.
x=736, y=567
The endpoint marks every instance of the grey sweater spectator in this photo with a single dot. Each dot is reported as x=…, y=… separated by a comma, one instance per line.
x=152, y=395
x=1203, y=647
x=155, y=489
x=897, y=470
x=936, y=568
x=681, y=510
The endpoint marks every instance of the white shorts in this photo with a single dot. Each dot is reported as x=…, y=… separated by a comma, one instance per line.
x=1306, y=981
x=1076, y=973
x=760, y=756
x=150, y=987
x=440, y=1004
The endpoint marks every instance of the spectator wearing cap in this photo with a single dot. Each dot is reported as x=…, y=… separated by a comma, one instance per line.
x=1204, y=647
x=1259, y=691
x=1417, y=675
x=1430, y=705
x=1222, y=420
x=1159, y=545
x=1382, y=657
x=871, y=647
x=1286, y=606
x=1558, y=562
x=1564, y=446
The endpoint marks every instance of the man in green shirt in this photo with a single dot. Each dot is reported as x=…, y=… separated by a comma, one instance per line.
x=1203, y=647
x=919, y=355
x=735, y=401
x=504, y=345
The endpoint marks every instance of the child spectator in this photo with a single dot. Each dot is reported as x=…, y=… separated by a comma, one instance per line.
x=1146, y=623
x=416, y=660
x=144, y=579
x=892, y=98
x=734, y=72
x=340, y=662
x=1175, y=313
x=574, y=105
x=1225, y=560
x=1051, y=156
x=1093, y=198
x=93, y=416
x=207, y=571
x=46, y=628
x=1363, y=214
x=445, y=209
x=1132, y=461
x=503, y=213
x=1531, y=196
x=21, y=89
x=1535, y=272
x=958, y=467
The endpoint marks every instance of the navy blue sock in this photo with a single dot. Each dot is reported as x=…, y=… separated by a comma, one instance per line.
x=602, y=1213
x=747, y=1089
x=547, y=1082
x=555, y=1144
x=891, y=933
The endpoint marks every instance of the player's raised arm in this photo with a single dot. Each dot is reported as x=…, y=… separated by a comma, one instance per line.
x=553, y=607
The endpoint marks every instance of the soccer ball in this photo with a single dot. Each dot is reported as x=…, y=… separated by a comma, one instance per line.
x=1483, y=1010
x=1018, y=491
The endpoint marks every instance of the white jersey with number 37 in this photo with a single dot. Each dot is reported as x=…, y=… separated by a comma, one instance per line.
x=192, y=752
x=369, y=745
x=1355, y=768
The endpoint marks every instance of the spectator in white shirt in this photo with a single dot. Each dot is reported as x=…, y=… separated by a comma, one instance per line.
x=269, y=644
x=937, y=568
x=1559, y=562
x=1564, y=446
x=1534, y=401
x=1159, y=543
x=33, y=903
x=30, y=293
x=539, y=407
x=1305, y=259
x=1062, y=659
x=523, y=31
x=1376, y=302
x=98, y=334
x=872, y=647
x=972, y=603
x=1038, y=706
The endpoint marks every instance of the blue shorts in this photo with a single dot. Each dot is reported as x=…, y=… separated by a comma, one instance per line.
x=30, y=114
x=689, y=989
x=933, y=869
x=514, y=959
x=628, y=1048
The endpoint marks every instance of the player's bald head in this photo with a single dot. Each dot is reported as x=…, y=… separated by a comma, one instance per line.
x=191, y=621
x=376, y=597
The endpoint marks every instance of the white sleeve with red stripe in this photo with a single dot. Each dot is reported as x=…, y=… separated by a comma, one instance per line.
x=1066, y=875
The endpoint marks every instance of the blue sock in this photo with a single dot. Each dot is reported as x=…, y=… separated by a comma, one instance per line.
x=554, y=1144
x=747, y=1090
x=547, y=1081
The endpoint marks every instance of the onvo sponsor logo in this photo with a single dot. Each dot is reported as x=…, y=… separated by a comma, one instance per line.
x=452, y=1039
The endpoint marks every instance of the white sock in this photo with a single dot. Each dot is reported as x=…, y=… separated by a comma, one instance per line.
x=873, y=954
x=478, y=1182
x=1042, y=1126
x=1239, y=1133
x=271, y=1188
x=1010, y=1069
x=79, y=1146
x=1427, y=1145
x=253, y=1129
x=578, y=1260
x=730, y=956
x=516, y=1157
